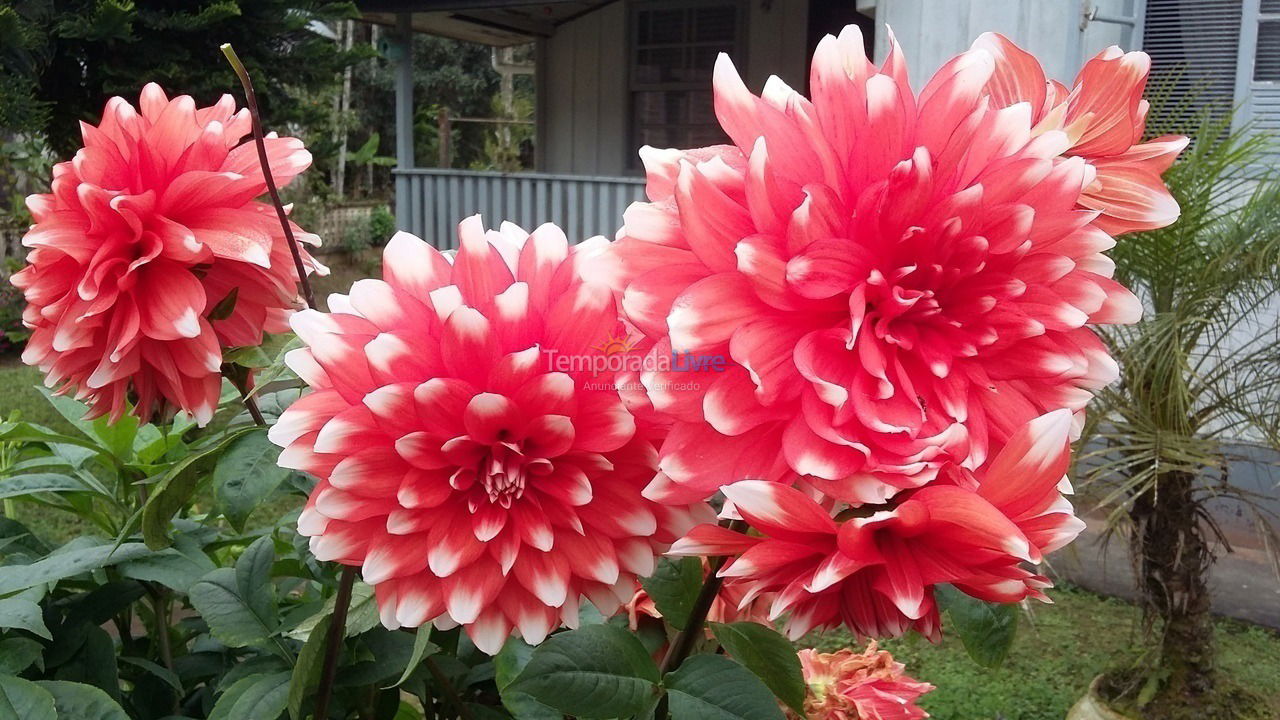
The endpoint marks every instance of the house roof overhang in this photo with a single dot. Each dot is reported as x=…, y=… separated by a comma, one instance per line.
x=500, y=23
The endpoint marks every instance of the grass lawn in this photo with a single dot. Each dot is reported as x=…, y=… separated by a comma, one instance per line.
x=18, y=392
x=1057, y=653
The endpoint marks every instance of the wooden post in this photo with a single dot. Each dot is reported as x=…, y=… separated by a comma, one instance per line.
x=445, y=126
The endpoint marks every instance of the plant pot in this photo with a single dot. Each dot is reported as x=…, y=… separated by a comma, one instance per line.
x=1093, y=707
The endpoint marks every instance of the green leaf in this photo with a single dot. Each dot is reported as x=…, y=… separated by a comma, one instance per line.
x=20, y=613
x=178, y=567
x=27, y=432
x=29, y=484
x=225, y=306
x=116, y=437
x=422, y=647
x=362, y=613
x=25, y=700
x=257, y=697
x=713, y=687
x=769, y=655
x=306, y=672
x=507, y=666
x=674, y=588
x=240, y=604
x=176, y=488
x=599, y=671
x=246, y=474
x=66, y=564
x=165, y=674
x=18, y=654
x=77, y=701
x=986, y=629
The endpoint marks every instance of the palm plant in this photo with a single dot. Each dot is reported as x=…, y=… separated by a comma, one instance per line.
x=1198, y=374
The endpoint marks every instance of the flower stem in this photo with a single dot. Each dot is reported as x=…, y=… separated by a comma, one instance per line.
x=240, y=378
x=684, y=641
x=333, y=641
x=251, y=102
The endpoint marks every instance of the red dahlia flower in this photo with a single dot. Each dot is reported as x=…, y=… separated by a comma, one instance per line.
x=874, y=568
x=871, y=685
x=151, y=226
x=896, y=281
x=471, y=459
x=1104, y=116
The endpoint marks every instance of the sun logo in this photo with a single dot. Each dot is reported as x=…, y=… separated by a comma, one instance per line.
x=616, y=345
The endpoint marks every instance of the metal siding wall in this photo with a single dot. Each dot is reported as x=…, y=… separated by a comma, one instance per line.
x=933, y=31
x=585, y=206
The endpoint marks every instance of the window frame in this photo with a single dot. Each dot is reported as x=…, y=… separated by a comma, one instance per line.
x=739, y=52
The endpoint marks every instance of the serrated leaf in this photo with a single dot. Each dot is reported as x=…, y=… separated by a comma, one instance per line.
x=165, y=674
x=987, y=630
x=239, y=604
x=77, y=701
x=175, y=490
x=713, y=687
x=178, y=567
x=66, y=564
x=116, y=437
x=26, y=700
x=507, y=666
x=674, y=587
x=18, y=654
x=257, y=697
x=599, y=671
x=246, y=475
x=32, y=483
x=22, y=614
x=769, y=655
x=306, y=672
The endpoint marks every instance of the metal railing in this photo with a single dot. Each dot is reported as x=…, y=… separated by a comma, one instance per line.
x=430, y=202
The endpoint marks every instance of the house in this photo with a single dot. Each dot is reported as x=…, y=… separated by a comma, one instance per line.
x=613, y=75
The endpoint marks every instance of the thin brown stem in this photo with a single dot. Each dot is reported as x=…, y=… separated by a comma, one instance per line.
x=240, y=378
x=251, y=102
x=333, y=641
x=446, y=685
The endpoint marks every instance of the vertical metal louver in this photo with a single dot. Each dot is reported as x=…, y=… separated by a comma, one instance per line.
x=1195, y=54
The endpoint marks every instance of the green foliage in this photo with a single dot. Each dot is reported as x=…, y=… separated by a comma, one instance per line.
x=673, y=587
x=62, y=60
x=986, y=629
x=598, y=671
x=767, y=654
x=713, y=687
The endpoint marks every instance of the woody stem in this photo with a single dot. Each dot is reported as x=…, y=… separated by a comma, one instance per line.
x=251, y=102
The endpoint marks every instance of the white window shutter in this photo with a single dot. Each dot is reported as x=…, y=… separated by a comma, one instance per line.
x=1196, y=50
x=1260, y=64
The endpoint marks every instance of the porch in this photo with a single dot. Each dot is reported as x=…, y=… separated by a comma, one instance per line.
x=611, y=75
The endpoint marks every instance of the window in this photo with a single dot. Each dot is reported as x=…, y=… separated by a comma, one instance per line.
x=1221, y=53
x=673, y=50
x=1266, y=64
x=1195, y=52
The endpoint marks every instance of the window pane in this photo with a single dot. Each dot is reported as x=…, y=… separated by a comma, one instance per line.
x=1266, y=66
x=660, y=65
x=666, y=26
x=715, y=24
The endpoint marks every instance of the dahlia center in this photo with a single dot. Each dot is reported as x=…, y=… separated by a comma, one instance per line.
x=900, y=301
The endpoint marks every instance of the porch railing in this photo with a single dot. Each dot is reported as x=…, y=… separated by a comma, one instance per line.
x=430, y=202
